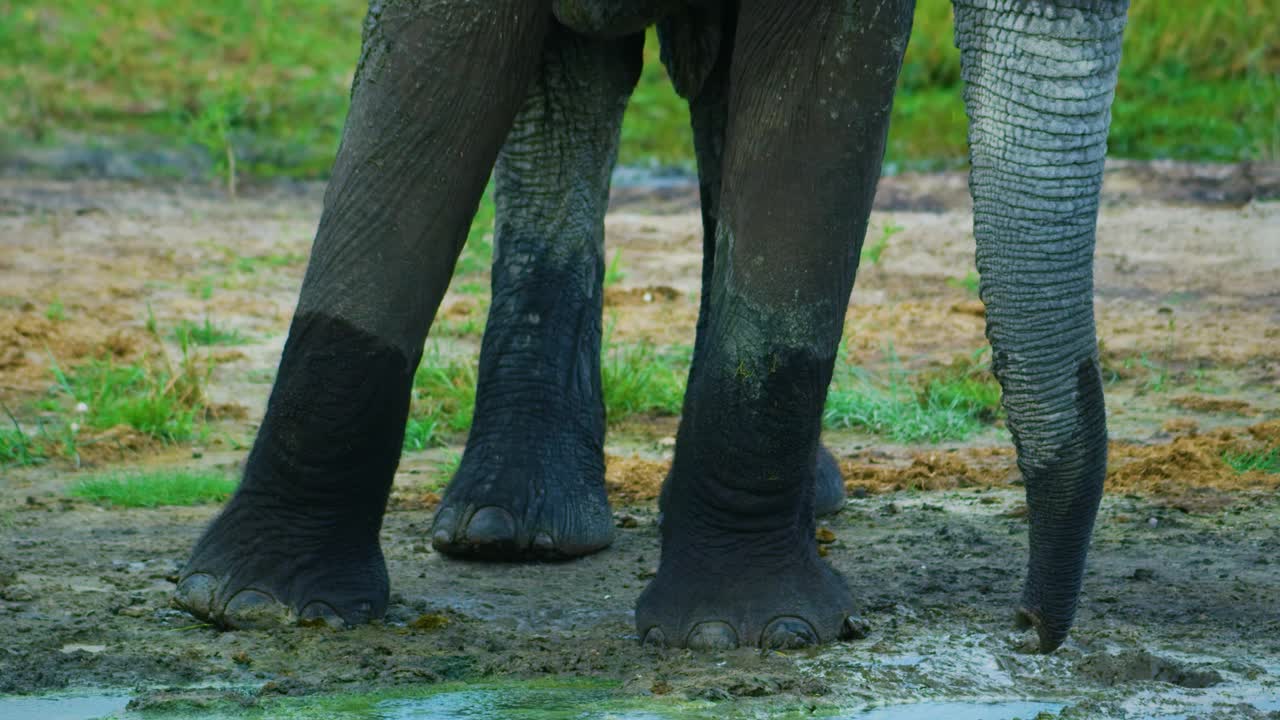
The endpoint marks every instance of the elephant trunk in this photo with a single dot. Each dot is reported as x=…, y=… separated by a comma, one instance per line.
x=1039, y=80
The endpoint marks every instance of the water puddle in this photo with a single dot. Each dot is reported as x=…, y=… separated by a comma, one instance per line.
x=515, y=701
x=959, y=711
x=502, y=702
x=64, y=706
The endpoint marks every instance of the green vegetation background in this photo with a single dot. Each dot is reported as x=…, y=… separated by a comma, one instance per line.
x=264, y=83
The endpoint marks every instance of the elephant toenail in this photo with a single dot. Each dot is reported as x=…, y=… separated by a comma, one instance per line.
x=252, y=609
x=321, y=613
x=491, y=526
x=543, y=543
x=854, y=628
x=788, y=633
x=195, y=594
x=654, y=638
x=442, y=535
x=712, y=635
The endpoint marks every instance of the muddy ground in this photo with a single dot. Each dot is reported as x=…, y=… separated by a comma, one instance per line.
x=1181, y=607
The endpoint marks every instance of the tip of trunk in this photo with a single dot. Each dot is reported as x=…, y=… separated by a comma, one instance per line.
x=1052, y=634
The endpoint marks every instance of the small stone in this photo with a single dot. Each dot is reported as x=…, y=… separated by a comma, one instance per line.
x=1152, y=522
x=1143, y=574
x=133, y=611
x=242, y=658
x=855, y=628
x=624, y=520
x=825, y=536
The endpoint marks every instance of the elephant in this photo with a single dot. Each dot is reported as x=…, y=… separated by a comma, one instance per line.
x=789, y=106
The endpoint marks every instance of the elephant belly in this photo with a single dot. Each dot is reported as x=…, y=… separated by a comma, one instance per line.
x=612, y=17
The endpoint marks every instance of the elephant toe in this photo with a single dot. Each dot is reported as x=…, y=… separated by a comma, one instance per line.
x=712, y=635
x=788, y=633
x=491, y=526
x=253, y=609
x=195, y=595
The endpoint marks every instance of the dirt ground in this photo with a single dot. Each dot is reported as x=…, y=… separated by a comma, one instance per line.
x=1181, y=609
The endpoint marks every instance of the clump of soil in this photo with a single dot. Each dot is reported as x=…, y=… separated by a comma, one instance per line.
x=1190, y=473
x=30, y=342
x=1200, y=403
x=413, y=499
x=633, y=480
x=927, y=471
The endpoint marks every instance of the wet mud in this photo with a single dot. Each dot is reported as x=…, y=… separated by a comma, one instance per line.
x=1181, y=609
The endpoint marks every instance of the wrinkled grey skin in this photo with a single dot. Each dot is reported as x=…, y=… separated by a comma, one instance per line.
x=790, y=105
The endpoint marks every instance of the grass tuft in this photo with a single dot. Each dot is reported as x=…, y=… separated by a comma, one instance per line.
x=153, y=489
x=638, y=379
x=157, y=400
x=443, y=400
x=950, y=404
x=1265, y=461
x=207, y=333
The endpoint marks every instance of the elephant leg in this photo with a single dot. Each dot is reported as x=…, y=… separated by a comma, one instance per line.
x=531, y=481
x=698, y=50
x=1040, y=77
x=810, y=90
x=437, y=88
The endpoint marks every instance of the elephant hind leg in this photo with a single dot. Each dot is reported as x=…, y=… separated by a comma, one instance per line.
x=438, y=85
x=531, y=481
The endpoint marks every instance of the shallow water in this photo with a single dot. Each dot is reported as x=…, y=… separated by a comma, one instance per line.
x=535, y=701
x=68, y=706
x=507, y=703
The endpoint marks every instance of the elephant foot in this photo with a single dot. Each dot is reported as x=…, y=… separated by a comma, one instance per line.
x=259, y=566
x=828, y=489
x=509, y=505
x=736, y=573
x=733, y=591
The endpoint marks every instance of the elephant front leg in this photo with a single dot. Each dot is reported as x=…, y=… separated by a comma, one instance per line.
x=438, y=85
x=697, y=48
x=809, y=99
x=531, y=482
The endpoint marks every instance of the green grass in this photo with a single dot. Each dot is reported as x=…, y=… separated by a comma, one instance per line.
x=442, y=402
x=18, y=448
x=950, y=404
x=157, y=488
x=207, y=333
x=1264, y=461
x=163, y=402
x=971, y=283
x=262, y=88
x=639, y=379
x=874, y=250
x=614, y=274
